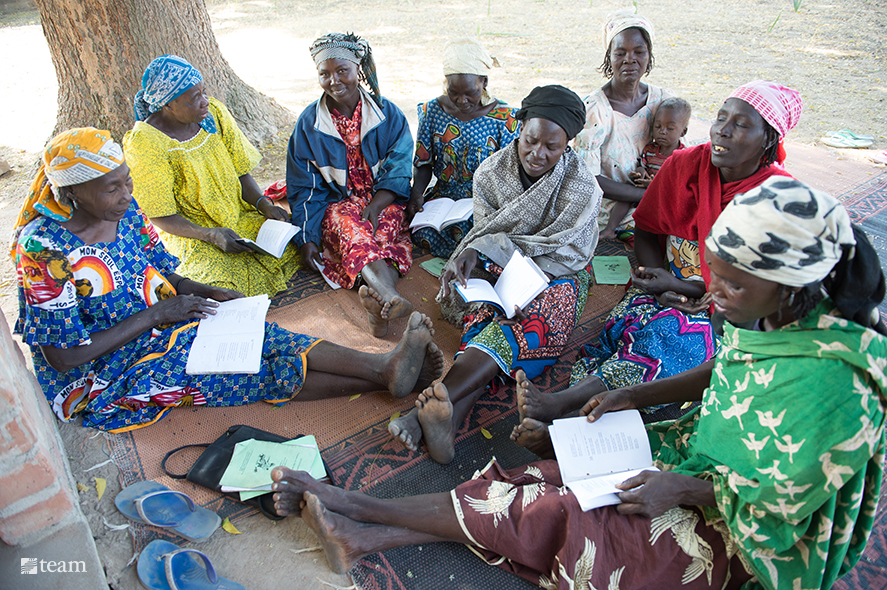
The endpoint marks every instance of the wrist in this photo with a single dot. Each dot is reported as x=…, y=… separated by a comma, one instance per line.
x=259, y=202
x=178, y=286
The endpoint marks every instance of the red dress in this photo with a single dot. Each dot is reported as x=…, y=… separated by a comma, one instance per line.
x=348, y=240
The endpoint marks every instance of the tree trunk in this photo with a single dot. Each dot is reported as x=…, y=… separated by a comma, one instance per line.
x=100, y=50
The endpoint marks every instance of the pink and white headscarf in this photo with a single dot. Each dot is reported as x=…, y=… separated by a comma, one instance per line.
x=778, y=105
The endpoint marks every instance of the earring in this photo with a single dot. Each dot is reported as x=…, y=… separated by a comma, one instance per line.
x=791, y=299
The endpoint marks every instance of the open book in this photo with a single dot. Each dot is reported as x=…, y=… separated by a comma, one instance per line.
x=521, y=280
x=231, y=340
x=272, y=239
x=595, y=456
x=439, y=213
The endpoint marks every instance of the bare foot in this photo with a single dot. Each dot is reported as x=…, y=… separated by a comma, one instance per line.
x=533, y=436
x=374, y=306
x=608, y=234
x=397, y=307
x=436, y=418
x=545, y=407
x=337, y=534
x=407, y=430
x=408, y=358
x=432, y=367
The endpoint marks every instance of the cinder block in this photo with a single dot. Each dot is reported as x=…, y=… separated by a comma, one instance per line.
x=29, y=478
x=17, y=527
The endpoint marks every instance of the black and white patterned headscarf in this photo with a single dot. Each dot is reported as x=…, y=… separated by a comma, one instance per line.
x=350, y=47
x=783, y=231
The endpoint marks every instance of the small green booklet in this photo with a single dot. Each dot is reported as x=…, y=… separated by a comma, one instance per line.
x=249, y=471
x=611, y=270
x=435, y=266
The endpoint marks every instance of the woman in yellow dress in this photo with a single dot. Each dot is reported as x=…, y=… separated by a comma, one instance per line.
x=190, y=164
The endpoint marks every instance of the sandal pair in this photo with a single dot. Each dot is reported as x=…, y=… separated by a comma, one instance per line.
x=155, y=504
x=164, y=566
x=847, y=139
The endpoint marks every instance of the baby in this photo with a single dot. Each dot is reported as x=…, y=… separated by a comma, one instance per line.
x=669, y=126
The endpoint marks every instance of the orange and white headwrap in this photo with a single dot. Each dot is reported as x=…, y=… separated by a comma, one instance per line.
x=72, y=157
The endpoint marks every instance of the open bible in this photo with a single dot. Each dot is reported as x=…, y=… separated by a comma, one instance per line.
x=272, y=239
x=595, y=456
x=441, y=212
x=521, y=280
x=231, y=340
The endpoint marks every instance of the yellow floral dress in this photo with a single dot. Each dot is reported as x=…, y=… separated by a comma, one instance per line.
x=199, y=180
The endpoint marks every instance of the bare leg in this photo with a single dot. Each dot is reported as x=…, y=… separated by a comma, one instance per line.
x=533, y=436
x=335, y=370
x=617, y=213
x=345, y=541
x=381, y=298
x=464, y=383
x=532, y=403
x=430, y=513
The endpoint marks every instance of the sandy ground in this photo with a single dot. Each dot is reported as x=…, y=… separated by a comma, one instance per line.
x=832, y=52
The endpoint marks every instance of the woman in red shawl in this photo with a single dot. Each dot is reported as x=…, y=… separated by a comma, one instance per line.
x=662, y=325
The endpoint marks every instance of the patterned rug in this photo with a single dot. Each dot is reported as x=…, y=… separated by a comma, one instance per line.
x=353, y=436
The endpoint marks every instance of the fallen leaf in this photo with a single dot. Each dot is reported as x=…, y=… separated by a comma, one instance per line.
x=100, y=485
x=425, y=299
x=226, y=524
x=395, y=415
x=82, y=487
x=353, y=397
x=486, y=433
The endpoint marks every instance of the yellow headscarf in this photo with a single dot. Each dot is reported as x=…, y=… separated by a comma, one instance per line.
x=72, y=157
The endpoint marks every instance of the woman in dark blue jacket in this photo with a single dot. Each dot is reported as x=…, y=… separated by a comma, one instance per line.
x=348, y=173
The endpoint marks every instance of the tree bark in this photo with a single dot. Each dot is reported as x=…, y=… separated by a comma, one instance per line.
x=100, y=50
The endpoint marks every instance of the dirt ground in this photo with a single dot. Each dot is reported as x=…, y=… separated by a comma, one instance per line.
x=833, y=53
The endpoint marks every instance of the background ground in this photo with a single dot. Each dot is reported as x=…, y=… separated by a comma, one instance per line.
x=832, y=52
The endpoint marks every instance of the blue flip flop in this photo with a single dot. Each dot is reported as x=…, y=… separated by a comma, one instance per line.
x=164, y=566
x=155, y=504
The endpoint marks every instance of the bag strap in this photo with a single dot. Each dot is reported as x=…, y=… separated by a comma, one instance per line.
x=173, y=452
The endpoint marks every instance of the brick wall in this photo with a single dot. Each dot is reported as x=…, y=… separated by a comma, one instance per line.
x=37, y=492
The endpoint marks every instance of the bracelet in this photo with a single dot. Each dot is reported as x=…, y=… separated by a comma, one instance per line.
x=179, y=282
x=259, y=201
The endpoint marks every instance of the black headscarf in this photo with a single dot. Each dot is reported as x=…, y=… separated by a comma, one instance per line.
x=557, y=104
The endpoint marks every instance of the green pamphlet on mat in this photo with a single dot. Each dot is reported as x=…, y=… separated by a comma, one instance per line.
x=249, y=471
x=435, y=266
x=611, y=270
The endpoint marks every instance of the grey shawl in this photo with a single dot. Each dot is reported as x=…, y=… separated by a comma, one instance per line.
x=554, y=221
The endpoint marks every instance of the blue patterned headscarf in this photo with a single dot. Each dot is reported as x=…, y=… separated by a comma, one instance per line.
x=166, y=78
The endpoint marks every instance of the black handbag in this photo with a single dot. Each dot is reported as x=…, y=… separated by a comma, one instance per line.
x=207, y=471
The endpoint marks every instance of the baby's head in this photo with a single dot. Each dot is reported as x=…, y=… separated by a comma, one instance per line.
x=670, y=123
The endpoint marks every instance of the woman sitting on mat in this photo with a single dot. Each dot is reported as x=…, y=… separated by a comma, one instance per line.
x=110, y=322
x=190, y=166
x=348, y=175
x=662, y=326
x=538, y=198
x=457, y=131
x=620, y=115
x=773, y=482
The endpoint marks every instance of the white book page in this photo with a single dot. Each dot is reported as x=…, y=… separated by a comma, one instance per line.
x=433, y=213
x=333, y=285
x=241, y=353
x=237, y=316
x=274, y=236
x=601, y=491
x=479, y=290
x=231, y=340
x=616, y=442
x=460, y=211
x=519, y=283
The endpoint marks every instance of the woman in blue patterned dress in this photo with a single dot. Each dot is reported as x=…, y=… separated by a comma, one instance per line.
x=457, y=131
x=110, y=323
